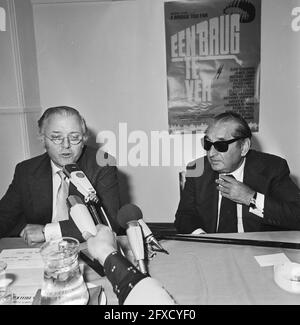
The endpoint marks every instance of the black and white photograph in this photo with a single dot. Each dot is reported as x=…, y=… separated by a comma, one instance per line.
x=149, y=155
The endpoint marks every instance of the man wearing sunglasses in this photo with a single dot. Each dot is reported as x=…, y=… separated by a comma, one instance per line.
x=34, y=205
x=256, y=186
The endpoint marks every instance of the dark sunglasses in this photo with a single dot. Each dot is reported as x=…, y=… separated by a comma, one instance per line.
x=221, y=146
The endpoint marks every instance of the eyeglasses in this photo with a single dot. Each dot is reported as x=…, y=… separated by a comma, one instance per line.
x=73, y=139
x=221, y=146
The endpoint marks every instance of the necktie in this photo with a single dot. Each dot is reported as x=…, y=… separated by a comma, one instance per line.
x=62, y=211
x=228, y=215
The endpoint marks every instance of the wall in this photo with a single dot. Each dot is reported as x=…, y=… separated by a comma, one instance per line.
x=19, y=91
x=280, y=83
x=108, y=60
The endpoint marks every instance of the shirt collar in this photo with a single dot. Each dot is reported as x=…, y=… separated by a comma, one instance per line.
x=239, y=172
x=55, y=169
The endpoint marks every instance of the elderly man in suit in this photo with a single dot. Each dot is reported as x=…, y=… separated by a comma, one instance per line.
x=240, y=190
x=34, y=205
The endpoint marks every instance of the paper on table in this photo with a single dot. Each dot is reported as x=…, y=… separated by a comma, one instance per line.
x=24, y=295
x=25, y=268
x=272, y=259
x=22, y=258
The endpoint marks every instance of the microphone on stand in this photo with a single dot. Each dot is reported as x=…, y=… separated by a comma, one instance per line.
x=135, y=238
x=150, y=239
x=133, y=212
x=81, y=215
x=134, y=235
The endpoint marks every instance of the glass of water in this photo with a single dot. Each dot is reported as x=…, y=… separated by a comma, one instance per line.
x=6, y=297
x=63, y=282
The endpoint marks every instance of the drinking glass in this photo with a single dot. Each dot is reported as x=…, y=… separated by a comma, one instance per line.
x=63, y=282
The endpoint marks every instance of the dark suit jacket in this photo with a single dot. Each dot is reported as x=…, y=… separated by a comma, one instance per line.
x=28, y=199
x=264, y=173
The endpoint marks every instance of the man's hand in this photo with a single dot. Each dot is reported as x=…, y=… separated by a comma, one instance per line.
x=234, y=190
x=101, y=245
x=33, y=234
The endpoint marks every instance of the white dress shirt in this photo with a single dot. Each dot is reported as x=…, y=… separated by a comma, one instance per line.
x=52, y=230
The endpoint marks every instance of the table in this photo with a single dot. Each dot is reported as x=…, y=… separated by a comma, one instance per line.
x=23, y=277
x=211, y=274
x=207, y=273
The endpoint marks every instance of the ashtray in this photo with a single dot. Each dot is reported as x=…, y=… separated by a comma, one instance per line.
x=287, y=276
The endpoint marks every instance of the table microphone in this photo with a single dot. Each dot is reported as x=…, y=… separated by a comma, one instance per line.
x=150, y=239
x=81, y=215
x=133, y=212
x=135, y=237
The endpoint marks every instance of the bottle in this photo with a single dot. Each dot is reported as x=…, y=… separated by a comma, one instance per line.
x=63, y=283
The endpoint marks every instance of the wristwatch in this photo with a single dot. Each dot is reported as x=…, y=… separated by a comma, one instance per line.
x=252, y=204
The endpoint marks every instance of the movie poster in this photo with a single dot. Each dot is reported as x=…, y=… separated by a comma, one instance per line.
x=213, y=61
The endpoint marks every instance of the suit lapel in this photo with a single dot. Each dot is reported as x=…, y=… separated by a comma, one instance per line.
x=41, y=189
x=255, y=179
x=253, y=173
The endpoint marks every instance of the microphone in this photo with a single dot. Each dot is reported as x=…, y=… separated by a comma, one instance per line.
x=150, y=239
x=133, y=212
x=84, y=222
x=135, y=236
x=81, y=182
x=81, y=215
x=84, y=186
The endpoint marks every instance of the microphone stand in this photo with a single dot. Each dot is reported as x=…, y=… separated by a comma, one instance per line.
x=84, y=254
x=91, y=205
x=92, y=209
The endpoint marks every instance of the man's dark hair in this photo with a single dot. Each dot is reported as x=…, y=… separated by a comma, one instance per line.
x=62, y=110
x=242, y=130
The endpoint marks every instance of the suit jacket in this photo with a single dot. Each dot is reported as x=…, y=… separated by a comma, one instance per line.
x=28, y=199
x=264, y=173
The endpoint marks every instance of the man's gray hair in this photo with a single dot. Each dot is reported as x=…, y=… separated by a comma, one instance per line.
x=242, y=130
x=62, y=110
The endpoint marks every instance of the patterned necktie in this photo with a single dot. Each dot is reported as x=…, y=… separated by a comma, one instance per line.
x=62, y=211
x=228, y=215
